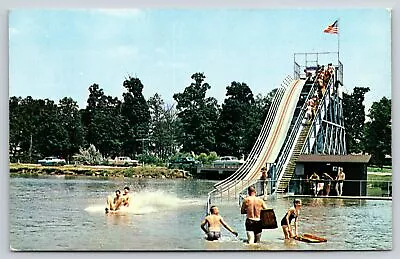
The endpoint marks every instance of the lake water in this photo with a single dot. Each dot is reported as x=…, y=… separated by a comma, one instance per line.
x=59, y=214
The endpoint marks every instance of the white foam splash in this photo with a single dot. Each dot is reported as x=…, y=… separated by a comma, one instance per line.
x=149, y=202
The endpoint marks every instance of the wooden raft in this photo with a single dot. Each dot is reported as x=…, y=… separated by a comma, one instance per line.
x=310, y=238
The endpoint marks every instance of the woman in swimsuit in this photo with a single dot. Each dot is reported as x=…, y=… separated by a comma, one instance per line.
x=291, y=214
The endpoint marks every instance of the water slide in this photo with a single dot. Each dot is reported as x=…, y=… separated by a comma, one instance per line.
x=269, y=141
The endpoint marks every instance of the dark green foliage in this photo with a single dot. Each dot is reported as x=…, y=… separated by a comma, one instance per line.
x=156, y=131
x=256, y=118
x=354, y=119
x=136, y=113
x=37, y=130
x=70, y=120
x=150, y=160
x=103, y=122
x=234, y=120
x=197, y=116
x=163, y=128
x=378, y=131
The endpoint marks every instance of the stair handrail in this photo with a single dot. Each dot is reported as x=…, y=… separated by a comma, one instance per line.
x=282, y=159
x=314, y=122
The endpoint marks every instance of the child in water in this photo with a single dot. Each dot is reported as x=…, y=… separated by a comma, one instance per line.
x=292, y=213
x=214, y=222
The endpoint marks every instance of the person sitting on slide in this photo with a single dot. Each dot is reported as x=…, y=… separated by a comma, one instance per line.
x=114, y=203
x=214, y=222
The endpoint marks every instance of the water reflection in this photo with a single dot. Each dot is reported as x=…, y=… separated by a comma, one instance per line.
x=118, y=219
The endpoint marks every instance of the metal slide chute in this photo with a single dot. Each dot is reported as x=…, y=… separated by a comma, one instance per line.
x=267, y=150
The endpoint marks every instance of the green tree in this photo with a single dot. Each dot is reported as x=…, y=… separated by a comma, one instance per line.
x=137, y=116
x=90, y=156
x=197, y=116
x=257, y=116
x=16, y=129
x=70, y=120
x=106, y=127
x=162, y=128
x=379, y=131
x=234, y=120
x=103, y=122
x=354, y=119
x=94, y=102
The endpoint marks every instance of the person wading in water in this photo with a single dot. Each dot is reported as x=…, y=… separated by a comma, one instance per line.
x=252, y=207
x=214, y=222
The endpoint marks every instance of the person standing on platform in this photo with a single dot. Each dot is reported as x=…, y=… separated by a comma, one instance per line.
x=314, y=178
x=263, y=180
x=339, y=184
x=252, y=207
x=327, y=184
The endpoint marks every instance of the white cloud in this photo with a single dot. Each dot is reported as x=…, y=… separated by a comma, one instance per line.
x=123, y=13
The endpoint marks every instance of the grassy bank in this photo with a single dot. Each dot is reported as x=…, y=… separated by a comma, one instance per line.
x=97, y=171
x=385, y=169
x=378, y=185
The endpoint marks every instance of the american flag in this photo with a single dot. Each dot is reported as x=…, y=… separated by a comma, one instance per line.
x=332, y=28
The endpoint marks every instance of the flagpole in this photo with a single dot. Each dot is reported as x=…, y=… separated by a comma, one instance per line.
x=338, y=41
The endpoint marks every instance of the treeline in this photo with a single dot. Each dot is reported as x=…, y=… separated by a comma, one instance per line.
x=371, y=133
x=154, y=131
x=134, y=126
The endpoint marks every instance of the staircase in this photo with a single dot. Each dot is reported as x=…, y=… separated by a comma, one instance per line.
x=289, y=171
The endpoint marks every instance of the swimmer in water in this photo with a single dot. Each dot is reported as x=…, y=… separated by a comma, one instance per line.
x=126, y=197
x=292, y=213
x=214, y=222
x=113, y=204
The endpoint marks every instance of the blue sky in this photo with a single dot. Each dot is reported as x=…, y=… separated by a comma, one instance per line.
x=56, y=53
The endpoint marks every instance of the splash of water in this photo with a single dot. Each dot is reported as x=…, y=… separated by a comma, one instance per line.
x=146, y=202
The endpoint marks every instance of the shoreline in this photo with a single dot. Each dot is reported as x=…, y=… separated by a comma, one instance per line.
x=97, y=171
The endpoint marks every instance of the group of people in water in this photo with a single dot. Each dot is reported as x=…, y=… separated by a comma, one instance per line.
x=118, y=201
x=251, y=206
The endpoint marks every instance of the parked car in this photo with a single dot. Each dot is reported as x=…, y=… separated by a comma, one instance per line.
x=183, y=162
x=123, y=161
x=52, y=160
x=228, y=161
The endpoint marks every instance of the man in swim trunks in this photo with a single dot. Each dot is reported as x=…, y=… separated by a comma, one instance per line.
x=126, y=197
x=113, y=204
x=214, y=222
x=340, y=178
x=252, y=207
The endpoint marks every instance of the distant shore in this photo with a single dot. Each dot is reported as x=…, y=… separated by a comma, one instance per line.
x=97, y=171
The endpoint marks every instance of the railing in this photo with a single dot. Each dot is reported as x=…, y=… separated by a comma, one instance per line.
x=288, y=148
x=362, y=188
x=322, y=107
x=296, y=71
x=212, y=166
x=372, y=188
